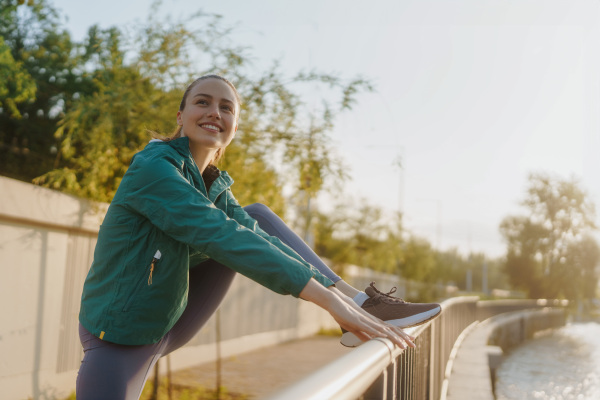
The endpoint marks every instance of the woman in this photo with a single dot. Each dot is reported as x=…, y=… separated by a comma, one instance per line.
x=174, y=209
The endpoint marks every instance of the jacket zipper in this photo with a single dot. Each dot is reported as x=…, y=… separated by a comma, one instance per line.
x=155, y=259
x=148, y=271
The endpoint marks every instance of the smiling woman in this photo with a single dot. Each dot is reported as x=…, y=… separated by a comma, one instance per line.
x=208, y=116
x=171, y=242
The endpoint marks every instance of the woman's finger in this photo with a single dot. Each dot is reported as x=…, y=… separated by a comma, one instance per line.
x=405, y=336
x=392, y=333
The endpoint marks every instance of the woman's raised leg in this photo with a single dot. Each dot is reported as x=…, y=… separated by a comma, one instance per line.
x=275, y=226
x=381, y=305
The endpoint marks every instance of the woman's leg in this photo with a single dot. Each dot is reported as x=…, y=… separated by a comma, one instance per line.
x=382, y=305
x=274, y=226
x=208, y=284
x=113, y=371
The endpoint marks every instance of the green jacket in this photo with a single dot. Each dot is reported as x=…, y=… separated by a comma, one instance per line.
x=133, y=294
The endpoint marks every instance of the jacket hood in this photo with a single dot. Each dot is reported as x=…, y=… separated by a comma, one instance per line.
x=181, y=145
x=211, y=174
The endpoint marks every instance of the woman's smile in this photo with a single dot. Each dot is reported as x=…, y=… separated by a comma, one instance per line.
x=211, y=127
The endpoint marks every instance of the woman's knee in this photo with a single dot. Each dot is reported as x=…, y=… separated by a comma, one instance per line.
x=258, y=209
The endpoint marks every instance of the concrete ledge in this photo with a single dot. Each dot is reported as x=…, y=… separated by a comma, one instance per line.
x=27, y=204
x=480, y=353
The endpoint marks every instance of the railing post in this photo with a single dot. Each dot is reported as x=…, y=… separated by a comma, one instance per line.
x=392, y=386
x=386, y=386
x=433, y=371
x=402, y=384
x=378, y=390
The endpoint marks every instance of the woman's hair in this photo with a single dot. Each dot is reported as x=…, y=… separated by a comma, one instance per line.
x=177, y=133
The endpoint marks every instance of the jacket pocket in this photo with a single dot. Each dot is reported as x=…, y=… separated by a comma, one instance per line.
x=143, y=280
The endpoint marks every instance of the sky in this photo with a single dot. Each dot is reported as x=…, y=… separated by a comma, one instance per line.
x=471, y=95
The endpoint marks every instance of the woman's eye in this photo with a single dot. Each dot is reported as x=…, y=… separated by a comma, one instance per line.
x=226, y=108
x=203, y=102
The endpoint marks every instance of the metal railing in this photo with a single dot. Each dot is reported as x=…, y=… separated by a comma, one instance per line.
x=379, y=370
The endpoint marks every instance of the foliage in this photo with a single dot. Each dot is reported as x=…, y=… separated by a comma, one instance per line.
x=180, y=392
x=73, y=115
x=549, y=252
x=418, y=261
x=359, y=236
x=97, y=100
x=16, y=85
x=102, y=131
x=50, y=73
x=453, y=268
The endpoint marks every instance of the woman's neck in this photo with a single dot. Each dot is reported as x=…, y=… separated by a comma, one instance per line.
x=202, y=156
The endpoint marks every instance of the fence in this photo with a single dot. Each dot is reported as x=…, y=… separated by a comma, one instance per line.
x=379, y=370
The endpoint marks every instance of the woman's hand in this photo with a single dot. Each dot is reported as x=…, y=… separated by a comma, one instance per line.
x=351, y=317
x=399, y=331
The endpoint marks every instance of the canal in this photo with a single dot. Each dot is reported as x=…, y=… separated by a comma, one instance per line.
x=563, y=364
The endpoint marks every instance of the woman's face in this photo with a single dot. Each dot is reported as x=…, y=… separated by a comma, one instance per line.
x=209, y=118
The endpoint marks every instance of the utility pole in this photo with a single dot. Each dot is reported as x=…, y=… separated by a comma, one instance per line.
x=438, y=225
x=484, y=278
x=399, y=163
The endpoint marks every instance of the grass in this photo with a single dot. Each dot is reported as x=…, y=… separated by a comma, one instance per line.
x=335, y=332
x=184, y=393
x=189, y=393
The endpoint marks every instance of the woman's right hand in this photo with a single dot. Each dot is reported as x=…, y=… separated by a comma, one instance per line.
x=364, y=326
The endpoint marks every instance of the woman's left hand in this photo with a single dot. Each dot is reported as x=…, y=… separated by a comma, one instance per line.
x=399, y=331
x=351, y=317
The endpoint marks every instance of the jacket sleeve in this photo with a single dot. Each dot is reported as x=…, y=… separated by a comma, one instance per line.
x=238, y=213
x=158, y=191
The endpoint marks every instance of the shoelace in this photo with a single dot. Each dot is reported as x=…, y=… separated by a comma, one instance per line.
x=388, y=296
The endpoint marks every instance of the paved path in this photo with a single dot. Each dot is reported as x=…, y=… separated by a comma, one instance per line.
x=470, y=377
x=265, y=371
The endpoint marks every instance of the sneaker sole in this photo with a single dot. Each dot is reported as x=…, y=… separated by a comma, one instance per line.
x=349, y=339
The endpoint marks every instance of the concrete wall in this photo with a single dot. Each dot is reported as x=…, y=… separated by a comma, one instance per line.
x=47, y=241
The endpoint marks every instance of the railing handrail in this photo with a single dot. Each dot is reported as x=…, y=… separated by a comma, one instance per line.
x=355, y=371
x=341, y=379
x=379, y=369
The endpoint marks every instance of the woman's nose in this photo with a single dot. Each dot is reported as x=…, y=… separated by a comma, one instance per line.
x=214, y=112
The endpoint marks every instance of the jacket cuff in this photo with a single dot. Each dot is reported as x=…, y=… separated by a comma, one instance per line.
x=323, y=280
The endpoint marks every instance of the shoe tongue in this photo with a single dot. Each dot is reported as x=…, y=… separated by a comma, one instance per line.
x=370, y=291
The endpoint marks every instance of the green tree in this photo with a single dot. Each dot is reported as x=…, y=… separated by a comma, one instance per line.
x=137, y=82
x=453, y=267
x=16, y=85
x=547, y=248
x=584, y=256
x=102, y=131
x=359, y=235
x=48, y=66
x=449, y=267
x=419, y=260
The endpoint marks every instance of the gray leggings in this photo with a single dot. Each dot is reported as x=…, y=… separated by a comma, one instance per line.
x=113, y=371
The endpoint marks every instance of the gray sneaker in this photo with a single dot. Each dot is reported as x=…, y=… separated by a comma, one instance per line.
x=394, y=311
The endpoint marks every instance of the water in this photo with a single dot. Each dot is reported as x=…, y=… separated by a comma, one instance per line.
x=564, y=364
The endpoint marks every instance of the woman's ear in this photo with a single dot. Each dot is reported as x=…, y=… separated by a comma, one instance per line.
x=180, y=120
